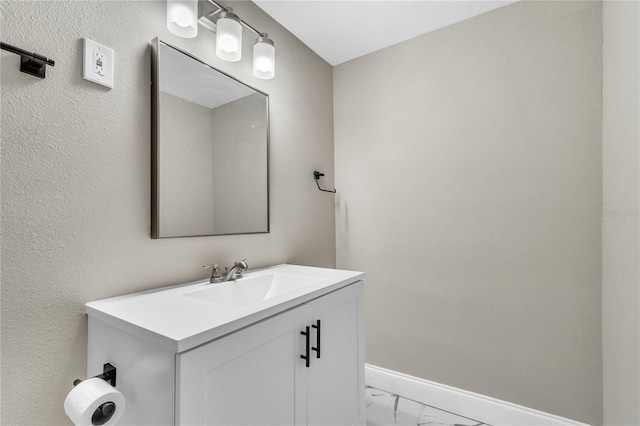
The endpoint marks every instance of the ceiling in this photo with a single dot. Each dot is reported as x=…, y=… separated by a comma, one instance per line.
x=341, y=30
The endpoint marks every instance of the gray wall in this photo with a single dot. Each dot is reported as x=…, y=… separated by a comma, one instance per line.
x=76, y=183
x=620, y=275
x=468, y=167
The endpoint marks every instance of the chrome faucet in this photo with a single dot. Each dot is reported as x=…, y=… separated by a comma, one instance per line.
x=236, y=270
x=229, y=274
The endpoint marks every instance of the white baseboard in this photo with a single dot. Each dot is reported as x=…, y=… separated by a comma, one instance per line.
x=467, y=404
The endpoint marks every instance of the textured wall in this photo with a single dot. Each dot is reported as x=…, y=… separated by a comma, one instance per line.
x=76, y=183
x=468, y=167
x=620, y=238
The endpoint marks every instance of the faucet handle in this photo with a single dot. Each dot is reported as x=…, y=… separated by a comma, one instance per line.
x=215, y=272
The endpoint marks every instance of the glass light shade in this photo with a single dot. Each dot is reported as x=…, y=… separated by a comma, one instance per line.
x=229, y=37
x=182, y=17
x=264, y=58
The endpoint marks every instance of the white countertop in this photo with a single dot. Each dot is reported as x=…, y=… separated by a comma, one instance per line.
x=178, y=323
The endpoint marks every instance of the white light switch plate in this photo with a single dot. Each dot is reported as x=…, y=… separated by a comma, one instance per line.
x=97, y=65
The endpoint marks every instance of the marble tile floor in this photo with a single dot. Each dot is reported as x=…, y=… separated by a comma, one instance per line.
x=384, y=408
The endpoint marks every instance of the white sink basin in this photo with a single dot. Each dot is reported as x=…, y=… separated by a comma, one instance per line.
x=185, y=316
x=254, y=289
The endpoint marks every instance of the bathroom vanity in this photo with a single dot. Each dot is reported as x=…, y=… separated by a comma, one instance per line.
x=281, y=346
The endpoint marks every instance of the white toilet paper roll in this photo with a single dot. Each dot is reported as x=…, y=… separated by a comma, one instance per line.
x=84, y=404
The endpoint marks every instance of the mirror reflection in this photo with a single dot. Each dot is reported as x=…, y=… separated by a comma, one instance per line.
x=209, y=150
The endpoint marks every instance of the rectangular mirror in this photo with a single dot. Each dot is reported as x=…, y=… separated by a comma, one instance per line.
x=210, y=144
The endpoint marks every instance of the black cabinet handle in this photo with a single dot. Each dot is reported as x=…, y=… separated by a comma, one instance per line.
x=306, y=357
x=317, y=347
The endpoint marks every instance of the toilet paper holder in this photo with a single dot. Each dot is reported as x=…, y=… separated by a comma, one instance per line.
x=108, y=375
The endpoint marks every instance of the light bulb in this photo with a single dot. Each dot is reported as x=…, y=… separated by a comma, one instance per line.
x=264, y=58
x=229, y=37
x=182, y=17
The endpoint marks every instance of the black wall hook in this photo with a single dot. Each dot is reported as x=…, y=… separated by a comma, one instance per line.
x=317, y=175
x=30, y=62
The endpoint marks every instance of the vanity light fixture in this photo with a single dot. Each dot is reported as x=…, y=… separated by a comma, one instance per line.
x=182, y=17
x=228, y=28
x=228, y=36
x=264, y=57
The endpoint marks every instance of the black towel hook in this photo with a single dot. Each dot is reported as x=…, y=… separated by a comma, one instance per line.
x=317, y=175
x=30, y=62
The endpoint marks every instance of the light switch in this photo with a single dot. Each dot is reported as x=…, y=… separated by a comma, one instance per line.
x=97, y=64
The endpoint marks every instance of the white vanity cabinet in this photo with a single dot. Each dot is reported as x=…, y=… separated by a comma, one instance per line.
x=255, y=374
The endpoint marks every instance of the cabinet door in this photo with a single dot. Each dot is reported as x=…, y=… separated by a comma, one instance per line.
x=245, y=378
x=335, y=381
